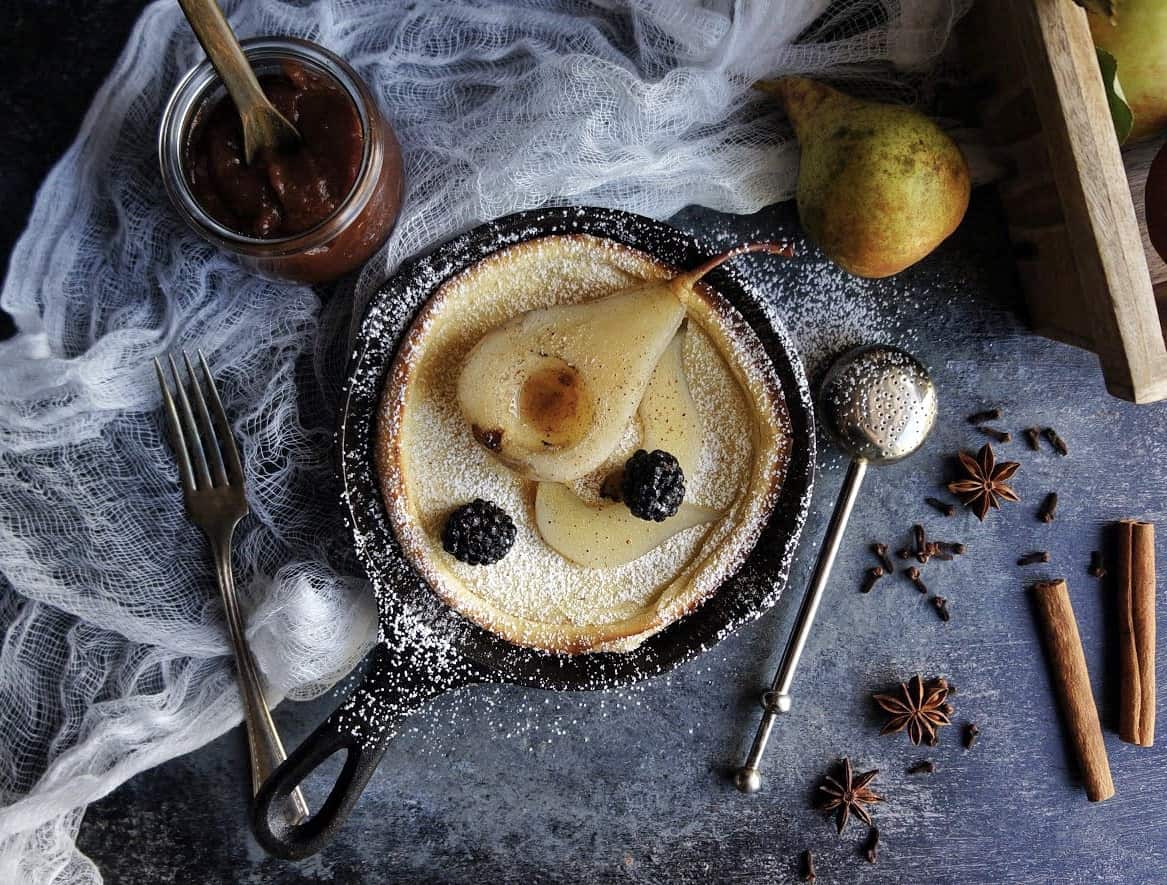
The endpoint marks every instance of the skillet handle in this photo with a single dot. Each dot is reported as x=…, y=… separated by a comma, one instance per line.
x=362, y=727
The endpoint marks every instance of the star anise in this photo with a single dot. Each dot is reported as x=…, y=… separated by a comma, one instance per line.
x=919, y=706
x=849, y=796
x=987, y=482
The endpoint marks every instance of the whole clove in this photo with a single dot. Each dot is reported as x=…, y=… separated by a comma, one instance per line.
x=942, y=506
x=941, y=607
x=971, y=732
x=987, y=415
x=808, y=874
x=1033, y=558
x=1032, y=436
x=880, y=551
x=921, y=540
x=1097, y=568
x=870, y=576
x=872, y=845
x=914, y=576
x=1049, y=508
x=1056, y=441
x=1001, y=436
x=954, y=547
x=904, y=553
x=925, y=766
x=936, y=550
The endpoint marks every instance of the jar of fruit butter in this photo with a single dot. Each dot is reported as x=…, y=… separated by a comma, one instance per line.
x=310, y=213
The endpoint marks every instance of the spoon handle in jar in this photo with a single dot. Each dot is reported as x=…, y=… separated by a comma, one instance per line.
x=218, y=40
x=777, y=700
x=263, y=126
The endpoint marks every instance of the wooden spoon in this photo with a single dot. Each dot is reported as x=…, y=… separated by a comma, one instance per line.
x=264, y=128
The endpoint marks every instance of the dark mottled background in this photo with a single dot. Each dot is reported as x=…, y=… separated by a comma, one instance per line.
x=509, y=785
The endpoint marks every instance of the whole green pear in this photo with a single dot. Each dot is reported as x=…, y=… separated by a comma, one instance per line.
x=879, y=185
x=1137, y=38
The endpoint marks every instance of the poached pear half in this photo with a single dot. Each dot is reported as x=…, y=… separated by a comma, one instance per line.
x=550, y=392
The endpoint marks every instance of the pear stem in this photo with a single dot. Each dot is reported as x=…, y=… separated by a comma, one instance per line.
x=689, y=278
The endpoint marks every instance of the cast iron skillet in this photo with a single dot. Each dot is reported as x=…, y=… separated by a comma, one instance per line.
x=424, y=647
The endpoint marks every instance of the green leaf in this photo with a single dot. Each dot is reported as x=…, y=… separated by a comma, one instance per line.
x=1120, y=111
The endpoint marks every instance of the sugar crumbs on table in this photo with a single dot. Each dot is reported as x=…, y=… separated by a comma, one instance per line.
x=1033, y=437
x=872, y=844
x=993, y=414
x=941, y=605
x=1097, y=568
x=944, y=507
x=924, y=766
x=880, y=551
x=1033, y=558
x=870, y=576
x=808, y=874
x=971, y=732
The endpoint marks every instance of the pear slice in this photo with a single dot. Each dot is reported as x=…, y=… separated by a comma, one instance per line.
x=550, y=392
x=604, y=535
x=668, y=416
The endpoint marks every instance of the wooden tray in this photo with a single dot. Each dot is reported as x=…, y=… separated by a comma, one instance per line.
x=1089, y=272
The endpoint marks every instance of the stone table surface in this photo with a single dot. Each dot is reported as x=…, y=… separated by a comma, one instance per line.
x=512, y=785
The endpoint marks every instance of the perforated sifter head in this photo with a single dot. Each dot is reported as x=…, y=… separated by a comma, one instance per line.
x=878, y=403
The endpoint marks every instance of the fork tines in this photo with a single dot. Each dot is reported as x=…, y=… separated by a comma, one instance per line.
x=203, y=443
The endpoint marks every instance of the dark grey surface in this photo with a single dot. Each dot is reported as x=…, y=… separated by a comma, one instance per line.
x=510, y=785
x=515, y=785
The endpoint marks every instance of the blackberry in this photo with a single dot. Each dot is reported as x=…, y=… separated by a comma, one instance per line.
x=478, y=533
x=654, y=485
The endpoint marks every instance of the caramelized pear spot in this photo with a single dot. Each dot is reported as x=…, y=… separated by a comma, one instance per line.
x=554, y=400
x=492, y=439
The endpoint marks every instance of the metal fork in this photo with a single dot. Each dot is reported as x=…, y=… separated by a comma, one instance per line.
x=212, y=488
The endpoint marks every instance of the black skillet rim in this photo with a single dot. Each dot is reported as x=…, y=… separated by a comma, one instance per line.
x=742, y=597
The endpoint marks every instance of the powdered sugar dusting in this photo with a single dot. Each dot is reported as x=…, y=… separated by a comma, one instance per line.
x=444, y=467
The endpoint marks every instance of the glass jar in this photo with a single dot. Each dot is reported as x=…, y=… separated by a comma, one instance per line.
x=358, y=226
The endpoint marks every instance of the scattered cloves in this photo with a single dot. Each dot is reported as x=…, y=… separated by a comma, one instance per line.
x=808, y=874
x=1097, y=568
x=1033, y=558
x=987, y=415
x=1032, y=435
x=1001, y=436
x=1049, y=507
x=913, y=574
x=971, y=732
x=1056, y=441
x=921, y=541
x=937, y=550
x=941, y=607
x=942, y=506
x=880, y=551
x=870, y=576
x=872, y=845
x=925, y=766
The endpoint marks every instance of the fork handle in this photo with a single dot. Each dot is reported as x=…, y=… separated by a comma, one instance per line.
x=266, y=748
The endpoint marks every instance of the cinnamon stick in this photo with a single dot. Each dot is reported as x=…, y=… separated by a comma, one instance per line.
x=1136, y=632
x=1072, y=684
